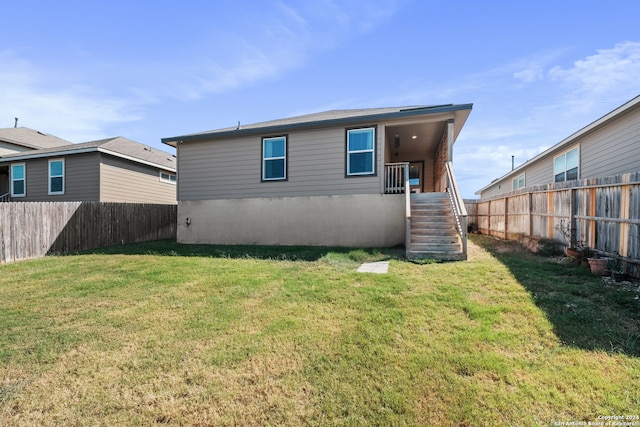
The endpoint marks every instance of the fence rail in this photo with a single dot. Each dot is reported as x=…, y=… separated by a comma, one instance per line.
x=603, y=213
x=35, y=229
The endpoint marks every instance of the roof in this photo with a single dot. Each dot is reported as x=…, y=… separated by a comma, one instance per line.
x=118, y=146
x=624, y=109
x=30, y=138
x=327, y=118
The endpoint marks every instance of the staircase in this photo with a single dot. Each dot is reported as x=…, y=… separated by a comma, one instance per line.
x=433, y=231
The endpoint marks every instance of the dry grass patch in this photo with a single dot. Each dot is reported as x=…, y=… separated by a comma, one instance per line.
x=180, y=335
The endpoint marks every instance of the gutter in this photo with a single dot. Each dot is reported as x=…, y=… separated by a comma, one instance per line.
x=82, y=151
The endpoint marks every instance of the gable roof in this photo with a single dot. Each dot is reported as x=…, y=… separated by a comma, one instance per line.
x=615, y=114
x=119, y=146
x=327, y=118
x=30, y=138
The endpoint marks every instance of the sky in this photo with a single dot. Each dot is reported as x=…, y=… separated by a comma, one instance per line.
x=535, y=71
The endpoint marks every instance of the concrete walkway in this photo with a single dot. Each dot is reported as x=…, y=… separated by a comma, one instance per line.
x=381, y=267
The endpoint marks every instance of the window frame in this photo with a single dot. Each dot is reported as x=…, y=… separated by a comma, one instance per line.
x=373, y=150
x=23, y=179
x=50, y=177
x=515, y=182
x=172, y=177
x=557, y=172
x=264, y=160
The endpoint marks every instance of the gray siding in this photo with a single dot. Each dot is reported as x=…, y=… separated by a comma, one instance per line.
x=613, y=150
x=126, y=181
x=231, y=168
x=81, y=179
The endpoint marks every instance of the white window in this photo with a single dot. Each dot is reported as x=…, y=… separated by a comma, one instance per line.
x=168, y=177
x=565, y=166
x=518, y=182
x=56, y=176
x=18, y=180
x=274, y=158
x=361, y=151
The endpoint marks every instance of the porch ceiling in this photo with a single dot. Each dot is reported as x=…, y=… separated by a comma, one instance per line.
x=427, y=137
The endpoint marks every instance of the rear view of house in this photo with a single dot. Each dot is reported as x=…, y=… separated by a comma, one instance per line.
x=371, y=178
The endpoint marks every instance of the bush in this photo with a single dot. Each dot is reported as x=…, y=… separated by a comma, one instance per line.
x=549, y=247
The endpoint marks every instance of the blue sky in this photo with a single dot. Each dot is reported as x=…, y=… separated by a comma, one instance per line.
x=535, y=71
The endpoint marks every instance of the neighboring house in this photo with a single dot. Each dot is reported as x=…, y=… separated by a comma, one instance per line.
x=608, y=146
x=110, y=170
x=333, y=179
x=20, y=139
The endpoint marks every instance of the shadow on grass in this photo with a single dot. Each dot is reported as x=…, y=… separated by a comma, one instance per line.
x=586, y=311
x=283, y=253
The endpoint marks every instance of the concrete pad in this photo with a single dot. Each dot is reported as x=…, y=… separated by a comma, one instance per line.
x=380, y=267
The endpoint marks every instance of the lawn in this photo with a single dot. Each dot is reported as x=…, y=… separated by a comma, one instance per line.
x=168, y=334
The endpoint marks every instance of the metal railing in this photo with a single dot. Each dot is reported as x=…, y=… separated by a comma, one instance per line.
x=5, y=197
x=396, y=177
x=457, y=204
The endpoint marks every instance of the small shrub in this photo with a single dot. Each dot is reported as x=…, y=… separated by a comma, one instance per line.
x=549, y=247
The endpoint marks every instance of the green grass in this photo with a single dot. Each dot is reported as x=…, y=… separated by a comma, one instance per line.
x=161, y=333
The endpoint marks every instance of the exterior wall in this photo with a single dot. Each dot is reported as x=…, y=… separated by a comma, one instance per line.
x=231, y=168
x=373, y=220
x=610, y=150
x=125, y=181
x=613, y=150
x=80, y=179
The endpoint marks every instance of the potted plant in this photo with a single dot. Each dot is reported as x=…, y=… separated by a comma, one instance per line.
x=598, y=265
x=575, y=248
x=618, y=268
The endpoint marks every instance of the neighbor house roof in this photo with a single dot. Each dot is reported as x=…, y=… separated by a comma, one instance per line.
x=118, y=146
x=624, y=109
x=30, y=138
x=327, y=118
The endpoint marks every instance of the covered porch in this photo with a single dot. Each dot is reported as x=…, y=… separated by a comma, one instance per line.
x=418, y=161
x=420, y=147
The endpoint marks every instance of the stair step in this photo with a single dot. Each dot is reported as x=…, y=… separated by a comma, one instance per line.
x=433, y=231
x=441, y=256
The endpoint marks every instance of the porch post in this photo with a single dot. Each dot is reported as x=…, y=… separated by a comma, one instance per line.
x=380, y=141
x=450, y=133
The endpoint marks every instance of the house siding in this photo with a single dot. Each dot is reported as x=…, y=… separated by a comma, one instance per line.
x=230, y=168
x=615, y=149
x=80, y=179
x=125, y=181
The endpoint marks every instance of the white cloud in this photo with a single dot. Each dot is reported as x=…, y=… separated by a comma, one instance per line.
x=610, y=74
x=529, y=75
x=75, y=113
x=283, y=39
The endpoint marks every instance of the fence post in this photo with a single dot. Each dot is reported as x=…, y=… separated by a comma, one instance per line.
x=625, y=214
x=530, y=209
x=506, y=217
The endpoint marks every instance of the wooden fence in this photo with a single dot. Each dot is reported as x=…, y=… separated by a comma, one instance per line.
x=35, y=229
x=603, y=213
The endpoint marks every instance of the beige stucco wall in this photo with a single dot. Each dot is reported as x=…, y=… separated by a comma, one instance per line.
x=363, y=220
